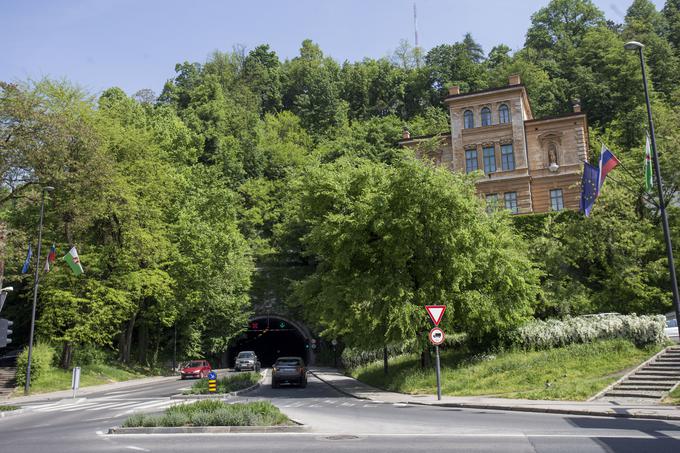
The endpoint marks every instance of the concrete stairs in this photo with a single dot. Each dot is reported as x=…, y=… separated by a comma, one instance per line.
x=651, y=381
x=7, y=381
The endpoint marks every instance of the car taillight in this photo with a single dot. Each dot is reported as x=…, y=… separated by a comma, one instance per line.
x=299, y=369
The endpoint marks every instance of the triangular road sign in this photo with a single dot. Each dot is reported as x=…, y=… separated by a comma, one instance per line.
x=436, y=312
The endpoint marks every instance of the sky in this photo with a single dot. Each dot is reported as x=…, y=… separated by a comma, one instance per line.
x=135, y=44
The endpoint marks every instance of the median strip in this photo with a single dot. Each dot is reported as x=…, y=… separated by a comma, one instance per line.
x=211, y=416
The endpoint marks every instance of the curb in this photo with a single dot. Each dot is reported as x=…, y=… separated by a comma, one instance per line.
x=7, y=414
x=501, y=407
x=84, y=391
x=210, y=429
x=221, y=395
x=548, y=410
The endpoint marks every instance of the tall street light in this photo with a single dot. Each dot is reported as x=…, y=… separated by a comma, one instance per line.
x=36, y=279
x=636, y=46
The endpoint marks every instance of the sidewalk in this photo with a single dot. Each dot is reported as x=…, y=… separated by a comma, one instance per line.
x=357, y=389
x=83, y=391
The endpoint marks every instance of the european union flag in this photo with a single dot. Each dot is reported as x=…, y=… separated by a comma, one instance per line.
x=588, y=187
x=27, y=263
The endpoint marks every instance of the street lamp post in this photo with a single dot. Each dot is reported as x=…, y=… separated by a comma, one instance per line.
x=634, y=45
x=36, y=279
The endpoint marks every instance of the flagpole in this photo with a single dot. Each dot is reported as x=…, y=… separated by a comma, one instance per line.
x=634, y=45
x=36, y=280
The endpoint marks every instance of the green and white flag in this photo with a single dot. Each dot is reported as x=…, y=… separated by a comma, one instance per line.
x=648, y=166
x=73, y=261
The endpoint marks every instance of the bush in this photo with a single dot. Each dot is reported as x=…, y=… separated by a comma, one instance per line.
x=226, y=384
x=641, y=330
x=41, y=361
x=88, y=355
x=353, y=357
x=213, y=413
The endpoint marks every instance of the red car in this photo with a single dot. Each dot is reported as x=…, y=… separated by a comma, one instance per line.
x=196, y=369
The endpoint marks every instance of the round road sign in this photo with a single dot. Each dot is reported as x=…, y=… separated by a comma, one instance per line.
x=334, y=342
x=436, y=336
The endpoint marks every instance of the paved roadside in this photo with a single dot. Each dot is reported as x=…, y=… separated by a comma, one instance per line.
x=84, y=391
x=358, y=389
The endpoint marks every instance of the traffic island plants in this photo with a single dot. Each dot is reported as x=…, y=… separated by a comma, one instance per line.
x=5, y=408
x=227, y=384
x=212, y=413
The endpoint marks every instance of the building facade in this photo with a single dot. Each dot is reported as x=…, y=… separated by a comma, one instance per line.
x=529, y=165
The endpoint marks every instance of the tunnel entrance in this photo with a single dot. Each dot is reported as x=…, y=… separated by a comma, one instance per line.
x=272, y=337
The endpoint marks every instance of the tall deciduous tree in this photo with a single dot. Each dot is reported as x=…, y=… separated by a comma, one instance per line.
x=388, y=240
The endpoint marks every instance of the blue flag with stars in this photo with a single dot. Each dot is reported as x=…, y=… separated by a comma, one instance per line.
x=588, y=187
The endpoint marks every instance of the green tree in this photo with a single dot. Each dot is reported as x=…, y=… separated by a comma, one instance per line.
x=387, y=240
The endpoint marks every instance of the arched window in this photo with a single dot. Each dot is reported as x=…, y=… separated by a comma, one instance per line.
x=503, y=114
x=486, y=117
x=468, y=119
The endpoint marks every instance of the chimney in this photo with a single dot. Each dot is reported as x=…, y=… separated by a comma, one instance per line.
x=405, y=134
x=577, y=106
x=454, y=89
x=513, y=79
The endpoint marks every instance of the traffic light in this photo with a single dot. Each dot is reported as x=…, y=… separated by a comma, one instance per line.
x=5, y=332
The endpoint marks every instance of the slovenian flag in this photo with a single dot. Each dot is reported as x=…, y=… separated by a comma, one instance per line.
x=607, y=163
x=51, y=258
x=73, y=261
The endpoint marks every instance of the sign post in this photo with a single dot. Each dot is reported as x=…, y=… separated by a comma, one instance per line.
x=436, y=337
x=212, y=382
x=75, y=380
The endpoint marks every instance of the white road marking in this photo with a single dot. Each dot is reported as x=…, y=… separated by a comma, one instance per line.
x=617, y=435
x=108, y=406
x=132, y=447
x=80, y=407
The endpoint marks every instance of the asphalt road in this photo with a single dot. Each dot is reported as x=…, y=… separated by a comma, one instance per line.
x=339, y=423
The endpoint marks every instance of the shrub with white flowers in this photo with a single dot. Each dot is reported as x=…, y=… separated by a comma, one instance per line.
x=641, y=330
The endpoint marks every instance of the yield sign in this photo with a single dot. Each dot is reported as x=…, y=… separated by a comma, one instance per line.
x=436, y=312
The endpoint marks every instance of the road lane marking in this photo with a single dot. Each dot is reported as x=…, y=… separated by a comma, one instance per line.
x=132, y=447
x=107, y=406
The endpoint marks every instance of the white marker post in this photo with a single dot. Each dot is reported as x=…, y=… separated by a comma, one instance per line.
x=75, y=380
x=436, y=337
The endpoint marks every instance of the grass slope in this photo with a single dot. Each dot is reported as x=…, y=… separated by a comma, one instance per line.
x=54, y=379
x=574, y=372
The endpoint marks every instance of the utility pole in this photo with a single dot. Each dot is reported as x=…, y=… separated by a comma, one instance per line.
x=36, y=280
x=416, y=49
x=636, y=46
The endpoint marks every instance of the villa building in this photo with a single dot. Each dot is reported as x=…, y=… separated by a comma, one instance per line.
x=530, y=165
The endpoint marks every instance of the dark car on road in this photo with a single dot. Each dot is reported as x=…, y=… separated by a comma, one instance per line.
x=196, y=369
x=290, y=370
x=246, y=360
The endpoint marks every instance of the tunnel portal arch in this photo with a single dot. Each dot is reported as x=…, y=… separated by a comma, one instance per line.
x=272, y=336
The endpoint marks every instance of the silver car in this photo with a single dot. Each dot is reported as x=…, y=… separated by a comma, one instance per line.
x=291, y=370
x=672, y=330
x=246, y=360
